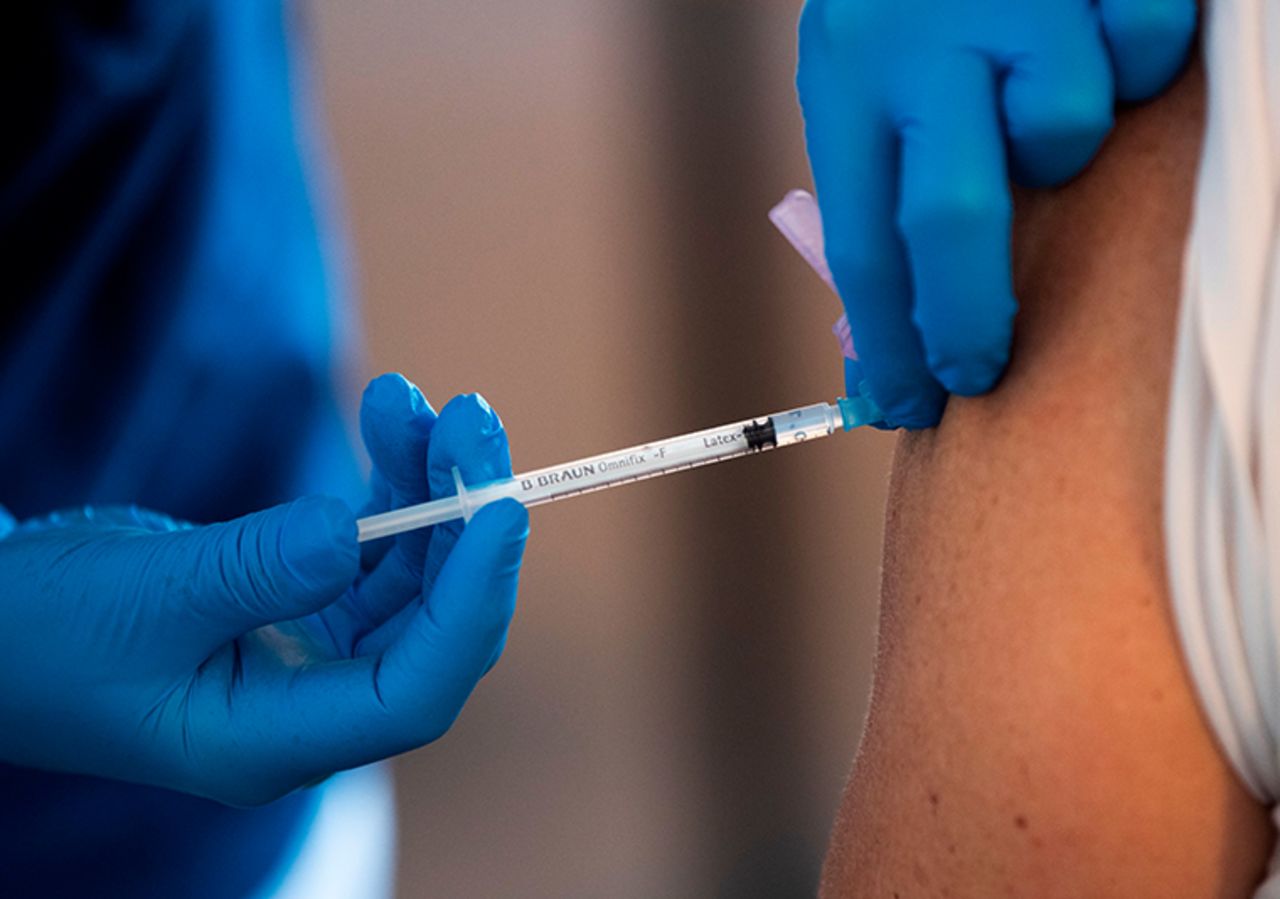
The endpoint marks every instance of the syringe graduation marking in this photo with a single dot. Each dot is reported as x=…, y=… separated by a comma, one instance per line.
x=626, y=466
x=542, y=500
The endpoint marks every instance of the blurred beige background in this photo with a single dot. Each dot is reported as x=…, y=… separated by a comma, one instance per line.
x=562, y=204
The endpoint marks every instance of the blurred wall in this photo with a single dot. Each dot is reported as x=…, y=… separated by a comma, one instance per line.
x=562, y=204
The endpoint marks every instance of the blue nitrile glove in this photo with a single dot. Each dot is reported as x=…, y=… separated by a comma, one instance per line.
x=241, y=660
x=914, y=111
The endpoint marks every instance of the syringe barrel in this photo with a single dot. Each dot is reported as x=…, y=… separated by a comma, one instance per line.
x=653, y=459
x=634, y=463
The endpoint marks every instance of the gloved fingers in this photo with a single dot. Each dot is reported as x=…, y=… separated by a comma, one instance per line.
x=450, y=643
x=396, y=422
x=855, y=170
x=350, y=713
x=379, y=597
x=1058, y=98
x=1149, y=41
x=285, y=562
x=855, y=382
x=469, y=436
x=374, y=640
x=954, y=215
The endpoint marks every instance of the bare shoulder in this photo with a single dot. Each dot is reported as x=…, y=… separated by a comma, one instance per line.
x=1033, y=731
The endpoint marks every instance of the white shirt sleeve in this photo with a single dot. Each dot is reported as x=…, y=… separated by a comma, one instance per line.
x=1222, y=467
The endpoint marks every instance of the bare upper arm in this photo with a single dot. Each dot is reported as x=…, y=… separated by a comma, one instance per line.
x=1033, y=731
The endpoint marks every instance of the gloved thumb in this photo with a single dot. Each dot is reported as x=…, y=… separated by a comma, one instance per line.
x=454, y=638
x=274, y=565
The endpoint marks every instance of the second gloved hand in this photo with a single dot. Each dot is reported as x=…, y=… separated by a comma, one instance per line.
x=912, y=109
x=239, y=661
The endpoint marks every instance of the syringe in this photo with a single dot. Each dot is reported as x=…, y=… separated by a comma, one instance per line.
x=635, y=463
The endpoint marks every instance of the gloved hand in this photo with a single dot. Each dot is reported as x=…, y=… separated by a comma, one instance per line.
x=241, y=660
x=914, y=109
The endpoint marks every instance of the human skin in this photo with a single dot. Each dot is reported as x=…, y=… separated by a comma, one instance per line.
x=1033, y=730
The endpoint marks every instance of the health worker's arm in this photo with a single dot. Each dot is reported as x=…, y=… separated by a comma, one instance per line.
x=239, y=661
x=1033, y=730
x=916, y=113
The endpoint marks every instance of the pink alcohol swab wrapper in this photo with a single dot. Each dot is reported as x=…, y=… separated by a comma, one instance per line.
x=800, y=221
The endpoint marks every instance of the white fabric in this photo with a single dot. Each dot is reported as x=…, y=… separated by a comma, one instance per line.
x=1222, y=477
x=348, y=851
